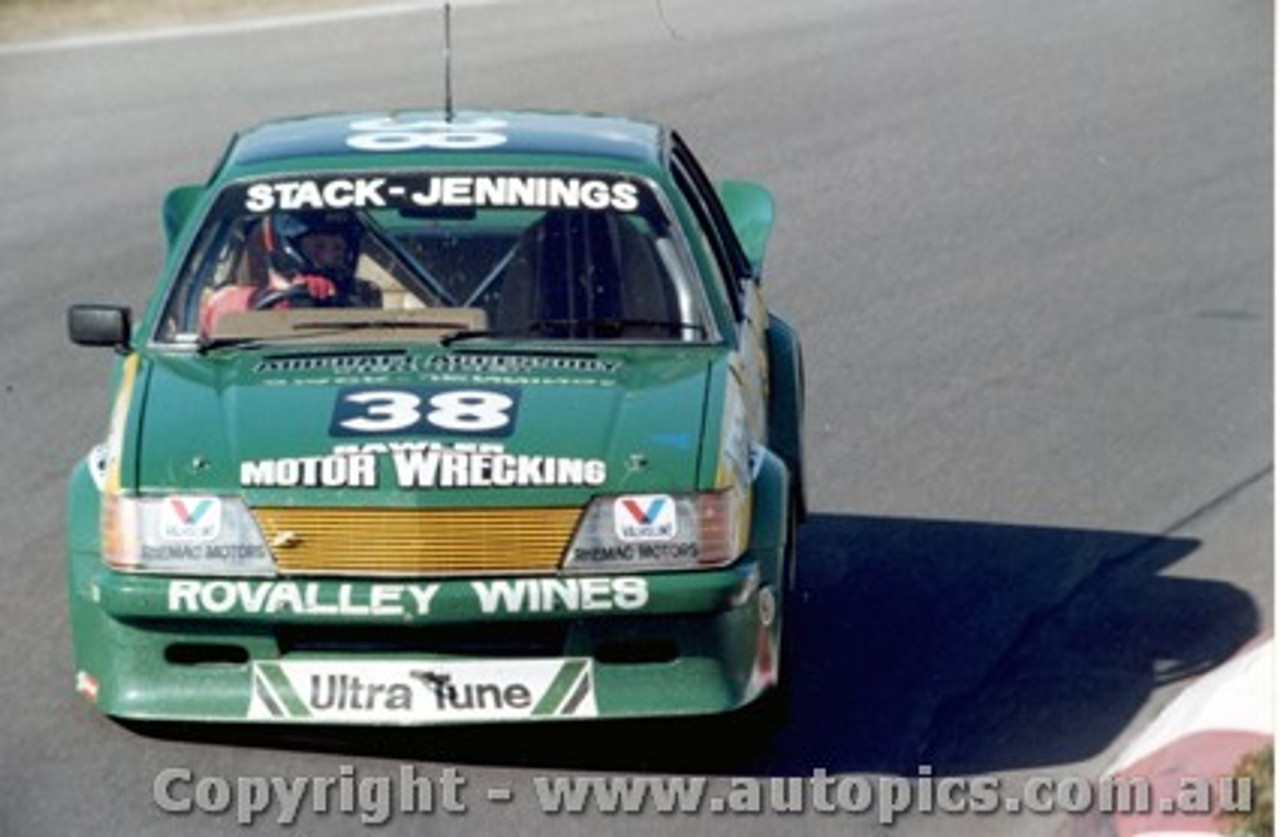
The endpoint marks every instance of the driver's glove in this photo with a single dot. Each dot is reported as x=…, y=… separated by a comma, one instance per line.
x=318, y=287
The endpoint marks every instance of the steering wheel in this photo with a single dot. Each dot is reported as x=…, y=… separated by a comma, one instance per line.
x=295, y=295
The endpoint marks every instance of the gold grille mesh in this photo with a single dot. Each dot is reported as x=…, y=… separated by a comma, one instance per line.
x=417, y=541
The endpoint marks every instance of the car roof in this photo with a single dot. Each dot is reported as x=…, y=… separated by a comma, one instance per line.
x=522, y=137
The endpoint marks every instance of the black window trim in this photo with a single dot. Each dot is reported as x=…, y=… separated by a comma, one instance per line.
x=704, y=215
x=718, y=215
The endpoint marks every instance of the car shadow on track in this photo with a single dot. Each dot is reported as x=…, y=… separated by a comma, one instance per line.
x=970, y=647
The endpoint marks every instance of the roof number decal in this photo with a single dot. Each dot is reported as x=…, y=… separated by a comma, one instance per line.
x=389, y=134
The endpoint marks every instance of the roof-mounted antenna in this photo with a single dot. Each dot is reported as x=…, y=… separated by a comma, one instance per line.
x=448, y=64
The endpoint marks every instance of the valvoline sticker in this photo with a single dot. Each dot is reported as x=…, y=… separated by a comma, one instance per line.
x=645, y=517
x=190, y=518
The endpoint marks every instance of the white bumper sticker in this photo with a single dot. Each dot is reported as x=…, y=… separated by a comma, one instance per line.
x=422, y=692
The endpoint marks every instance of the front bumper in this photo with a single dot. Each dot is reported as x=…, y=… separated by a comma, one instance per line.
x=422, y=651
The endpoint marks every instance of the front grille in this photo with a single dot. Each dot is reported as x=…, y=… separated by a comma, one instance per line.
x=417, y=541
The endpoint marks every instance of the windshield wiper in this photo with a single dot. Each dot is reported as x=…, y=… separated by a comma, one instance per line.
x=319, y=328
x=611, y=326
x=208, y=344
x=477, y=333
x=603, y=327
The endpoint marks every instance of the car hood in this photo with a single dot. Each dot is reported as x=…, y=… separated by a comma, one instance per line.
x=431, y=429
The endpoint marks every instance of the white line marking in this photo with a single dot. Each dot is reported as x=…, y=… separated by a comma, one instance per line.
x=232, y=27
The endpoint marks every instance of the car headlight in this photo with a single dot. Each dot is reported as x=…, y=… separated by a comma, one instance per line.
x=639, y=532
x=182, y=534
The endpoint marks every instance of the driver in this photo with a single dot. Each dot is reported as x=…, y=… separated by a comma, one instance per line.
x=305, y=259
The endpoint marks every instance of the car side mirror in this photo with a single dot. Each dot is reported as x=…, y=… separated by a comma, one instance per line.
x=99, y=325
x=750, y=210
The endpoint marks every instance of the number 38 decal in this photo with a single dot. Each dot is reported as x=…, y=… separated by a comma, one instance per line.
x=424, y=410
x=391, y=134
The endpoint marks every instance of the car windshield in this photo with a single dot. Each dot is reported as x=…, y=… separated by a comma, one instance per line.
x=434, y=256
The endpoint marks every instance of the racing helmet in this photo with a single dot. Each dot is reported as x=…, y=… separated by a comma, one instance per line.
x=285, y=233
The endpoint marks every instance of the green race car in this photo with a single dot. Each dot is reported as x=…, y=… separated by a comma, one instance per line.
x=444, y=420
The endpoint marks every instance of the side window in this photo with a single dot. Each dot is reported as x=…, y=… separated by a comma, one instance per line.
x=726, y=271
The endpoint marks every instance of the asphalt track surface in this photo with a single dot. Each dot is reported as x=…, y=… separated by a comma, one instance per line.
x=1028, y=245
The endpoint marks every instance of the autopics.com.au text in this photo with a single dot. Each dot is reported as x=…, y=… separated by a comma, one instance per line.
x=375, y=799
